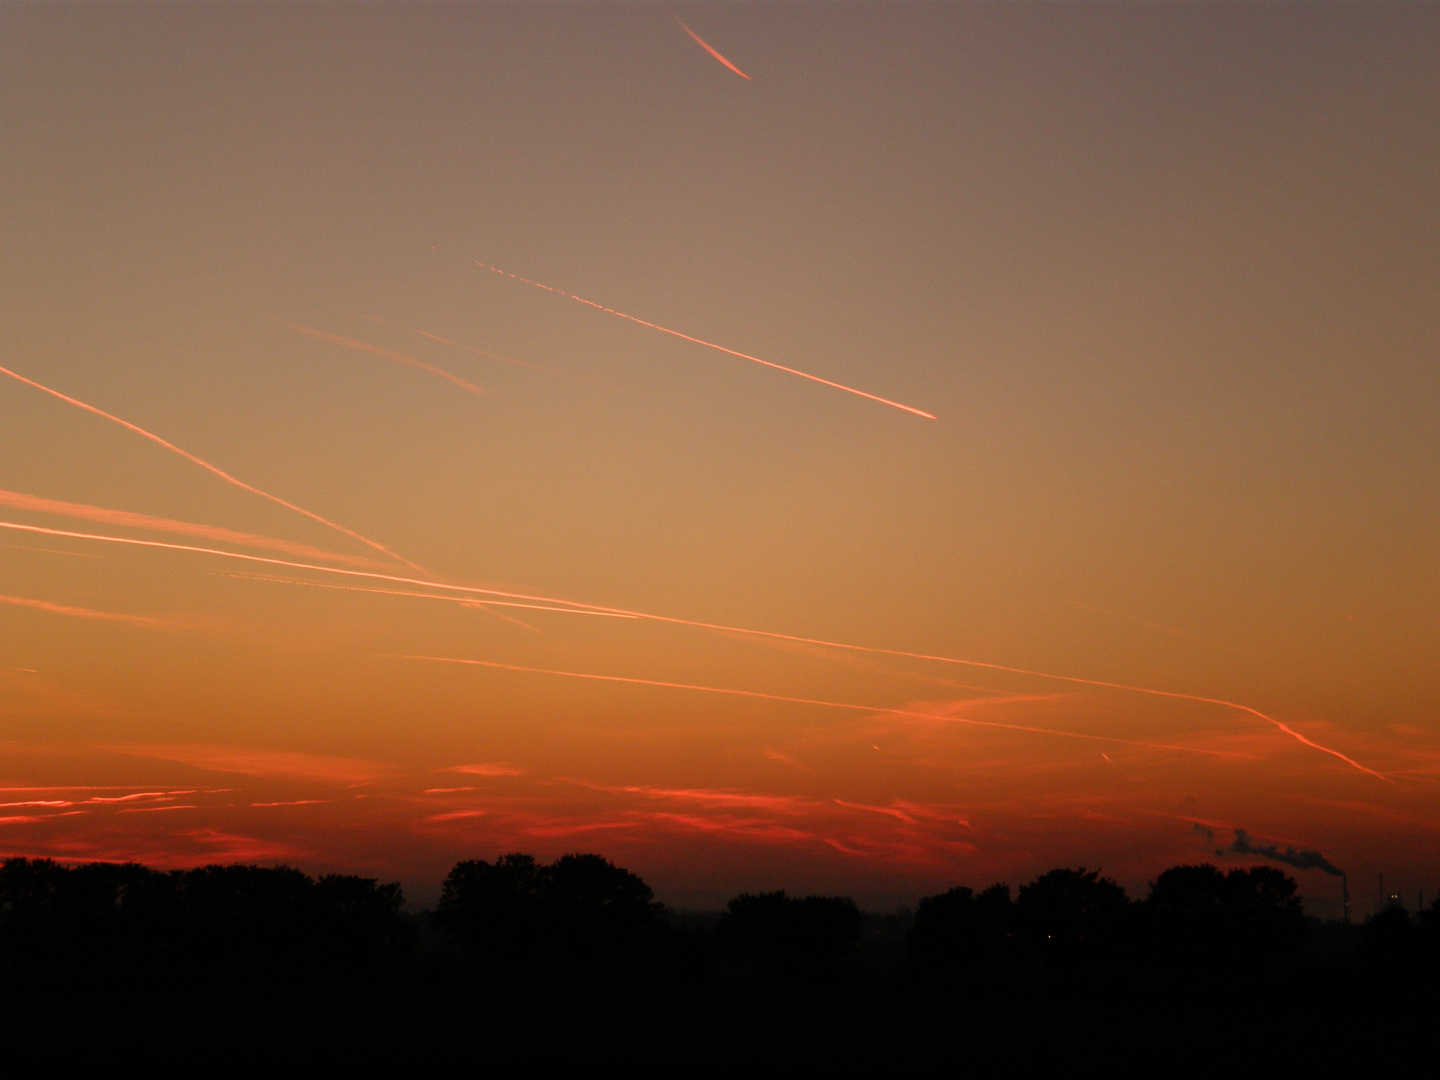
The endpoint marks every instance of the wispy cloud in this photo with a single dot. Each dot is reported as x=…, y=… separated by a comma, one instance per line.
x=486, y=768
x=395, y=357
x=149, y=622
x=213, y=469
x=126, y=519
x=264, y=764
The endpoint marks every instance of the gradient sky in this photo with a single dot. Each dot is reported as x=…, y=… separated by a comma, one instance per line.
x=1165, y=275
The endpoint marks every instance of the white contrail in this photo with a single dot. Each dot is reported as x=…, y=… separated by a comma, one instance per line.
x=210, y=468
x=712, y=345
x=770, y=634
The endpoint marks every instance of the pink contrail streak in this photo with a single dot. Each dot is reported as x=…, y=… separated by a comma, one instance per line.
x=672, y=620
x=712, y=345
x=211, y=468
x=825, y=704
x=399, y=358
x=19, y=501
x=458, y=345
x=1041, y=675
x=82, y=613
x=707, y=47
x=467, y=601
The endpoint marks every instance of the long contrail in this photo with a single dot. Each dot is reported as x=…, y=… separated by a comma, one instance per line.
x=465, y=600
x=672, y=620
x=708, y=48
x=399, y=358
x=19, y=501
x=459, y=345
x=212, y=468
x=712, y=345
x=1175, y=694
x=825, y=704
x=83, y=613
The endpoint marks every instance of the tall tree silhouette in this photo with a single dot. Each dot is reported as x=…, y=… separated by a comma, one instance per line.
x=576, y=910
x=794, y=935
x=958, y=930
x=1199, y=917
x=1069, y=917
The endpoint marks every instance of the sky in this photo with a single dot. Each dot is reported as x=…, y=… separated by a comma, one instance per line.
x=848, y=448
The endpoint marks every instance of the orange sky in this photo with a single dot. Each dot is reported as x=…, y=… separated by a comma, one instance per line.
x=1163, y=275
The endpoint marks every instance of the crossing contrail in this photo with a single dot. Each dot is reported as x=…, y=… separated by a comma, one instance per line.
x=769, y=634
x=19, y=501
x=212, y=468
x=708, y=48
x=464, y=600
x=712, y=345
x=825, y=704
x=399, y=358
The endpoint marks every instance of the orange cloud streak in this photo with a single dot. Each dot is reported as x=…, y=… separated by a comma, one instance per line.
x=85, y=613
x=399, y=358
x=19, y=501
x=712, y=345
x=482, y=768
x=211, y=468
x=264, y=764
x=826, y=704
x=707, y=47
x=577, y=605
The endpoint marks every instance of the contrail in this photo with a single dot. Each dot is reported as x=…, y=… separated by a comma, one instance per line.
x=399, y=358
x=19, y=501
x=459, y=345
x=673, y=621
x=825, y=704
x=712, y=345
x=266, y=560
x=1061, y=678
x=211, y=468
x=707, y=47
x=568, y=606
x=1158, y=626
x=464, y=600
x=84, y=613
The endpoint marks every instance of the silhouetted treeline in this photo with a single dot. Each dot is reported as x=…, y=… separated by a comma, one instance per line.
x=577, y=953
x=1195, y=917
x=520, y=915
x=584, y=916
x=126, y=919
x=788, y=935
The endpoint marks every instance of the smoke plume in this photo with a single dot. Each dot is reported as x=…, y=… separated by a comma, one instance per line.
x=1301, y=860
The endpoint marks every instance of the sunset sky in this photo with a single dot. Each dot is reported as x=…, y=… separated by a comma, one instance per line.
x=358, y=512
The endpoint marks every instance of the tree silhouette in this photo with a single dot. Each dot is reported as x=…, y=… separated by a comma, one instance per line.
x=797, y=935
x=493, y=909
x=1389, y=946
x=576, y=910
x=593, y=907
x=959, y=930
x=112, y=917
x=1073, y=916
x=1200, y=917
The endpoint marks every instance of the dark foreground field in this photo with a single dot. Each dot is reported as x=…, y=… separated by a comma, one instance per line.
x=529, y=969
